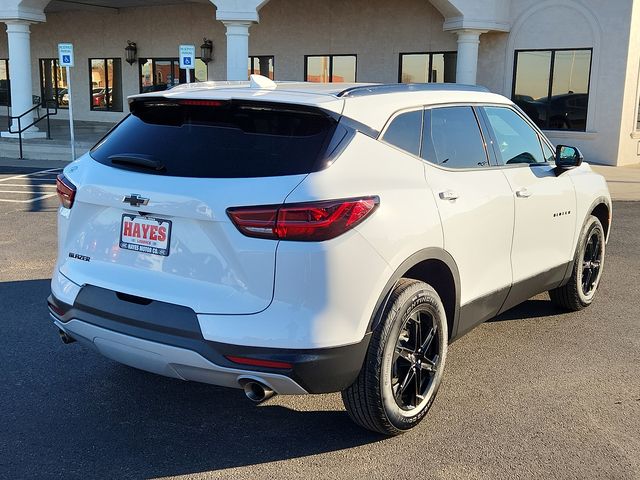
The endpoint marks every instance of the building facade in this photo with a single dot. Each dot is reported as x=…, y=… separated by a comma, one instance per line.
x=572, y=65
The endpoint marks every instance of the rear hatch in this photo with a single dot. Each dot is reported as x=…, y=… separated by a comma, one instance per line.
x=149, y=217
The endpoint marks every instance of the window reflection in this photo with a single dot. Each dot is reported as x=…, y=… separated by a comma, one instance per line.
x=344, y=69
x=4, y=82
x=428, y=67
x=331, y=68
x=262, y=65
x=106, y=86
x=157, y=74
x=53, y=83
x=552, y=87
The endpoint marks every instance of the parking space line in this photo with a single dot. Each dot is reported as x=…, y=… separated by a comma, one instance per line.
x=30, y=200
x=44, y=181
x=40, y=172
x=45, y=185
x=16, y=191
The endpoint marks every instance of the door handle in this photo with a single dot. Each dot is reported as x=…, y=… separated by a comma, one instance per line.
x=523, y=193
x=448, y=195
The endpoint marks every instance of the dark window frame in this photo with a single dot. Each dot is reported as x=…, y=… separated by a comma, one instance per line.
x=331, y=57
x=551, y=71
x=257, y=57
x=6, y=64
x=56, y=65
x=153, y=60
x=117, y=108
x=430, y=70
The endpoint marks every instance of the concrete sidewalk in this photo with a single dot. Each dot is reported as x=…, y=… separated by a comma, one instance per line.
x=58, y=148
x=624, y=182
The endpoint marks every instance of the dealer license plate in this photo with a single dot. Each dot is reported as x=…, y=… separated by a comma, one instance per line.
x=145, y=234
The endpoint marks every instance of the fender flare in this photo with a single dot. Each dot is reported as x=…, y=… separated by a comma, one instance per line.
x=431, y=253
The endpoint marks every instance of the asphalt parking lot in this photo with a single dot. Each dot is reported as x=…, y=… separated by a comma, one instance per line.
x=536, y=393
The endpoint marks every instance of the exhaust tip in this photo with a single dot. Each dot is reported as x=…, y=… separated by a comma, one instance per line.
x=65, y=337
x=257, y=392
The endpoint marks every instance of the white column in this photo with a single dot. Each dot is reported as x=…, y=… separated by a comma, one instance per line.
x=20, y=73
x=467, y=64
x=237, y=49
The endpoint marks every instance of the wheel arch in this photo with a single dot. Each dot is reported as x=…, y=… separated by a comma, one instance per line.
x=436, y=267
x=601, y=209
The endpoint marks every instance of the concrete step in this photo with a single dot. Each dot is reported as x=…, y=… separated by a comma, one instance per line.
x=41, y=149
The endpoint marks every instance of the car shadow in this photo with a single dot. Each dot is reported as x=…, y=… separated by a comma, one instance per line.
x=76, y=414
x=533, y=308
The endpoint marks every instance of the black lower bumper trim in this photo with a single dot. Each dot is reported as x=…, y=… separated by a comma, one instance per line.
x=321, y=370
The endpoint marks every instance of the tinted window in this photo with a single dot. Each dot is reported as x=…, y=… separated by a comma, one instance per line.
x=549, y=155
x=404, y=131
x=217, y=139
x=516, y=140
x=452, y=138
x=428, y=67
x=552, y=87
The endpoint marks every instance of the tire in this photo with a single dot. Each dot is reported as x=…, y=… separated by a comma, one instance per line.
x=383, y=397
x=588, y=264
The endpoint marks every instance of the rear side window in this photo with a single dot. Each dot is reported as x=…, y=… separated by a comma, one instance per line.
x=452, y=138
x=516, y=140
x=404, y=132
x=217, y=139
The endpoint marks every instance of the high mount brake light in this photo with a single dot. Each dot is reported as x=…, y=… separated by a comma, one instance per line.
x=306, y=222
x=66, y=191
x=203, y=103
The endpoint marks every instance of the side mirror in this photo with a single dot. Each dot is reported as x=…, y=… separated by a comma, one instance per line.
x=568, y=157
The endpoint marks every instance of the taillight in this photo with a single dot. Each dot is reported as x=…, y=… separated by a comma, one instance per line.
x=310, y=222
x=66, y=191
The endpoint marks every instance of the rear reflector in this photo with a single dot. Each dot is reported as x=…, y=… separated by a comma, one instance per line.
x=310, y=222
x=255, y=362
x=66, y=191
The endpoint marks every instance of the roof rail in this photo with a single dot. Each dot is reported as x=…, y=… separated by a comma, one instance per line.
x=364, y=90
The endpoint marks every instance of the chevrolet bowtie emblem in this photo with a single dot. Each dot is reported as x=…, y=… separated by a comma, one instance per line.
x=135, y=200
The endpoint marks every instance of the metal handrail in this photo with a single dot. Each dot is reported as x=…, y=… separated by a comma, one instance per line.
x=51, y=110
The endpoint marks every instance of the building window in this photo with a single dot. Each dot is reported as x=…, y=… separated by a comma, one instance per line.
x=53, y=83
x=552, y=87
x=5, y=91
x=262, y=65
x=106, y=84
x=158, y=74
x=428, y=67
x=330, y=68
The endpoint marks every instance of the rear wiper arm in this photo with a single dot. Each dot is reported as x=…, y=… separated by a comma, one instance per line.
x=137, y=161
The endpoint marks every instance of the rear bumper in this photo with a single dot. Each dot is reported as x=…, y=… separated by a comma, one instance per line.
x=166, y=339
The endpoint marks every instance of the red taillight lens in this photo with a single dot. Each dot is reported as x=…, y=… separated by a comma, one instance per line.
x=310, y=222
x=66, y=191
x=255, y=362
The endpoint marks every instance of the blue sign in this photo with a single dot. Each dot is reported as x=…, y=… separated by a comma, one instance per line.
x=187, y=56
x=65, y=54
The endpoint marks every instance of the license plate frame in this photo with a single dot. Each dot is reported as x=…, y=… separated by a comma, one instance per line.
x=144, y=245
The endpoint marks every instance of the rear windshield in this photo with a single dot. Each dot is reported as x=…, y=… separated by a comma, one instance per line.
x=217, y=139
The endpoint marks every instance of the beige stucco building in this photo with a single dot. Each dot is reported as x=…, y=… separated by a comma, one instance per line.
x=573, y=65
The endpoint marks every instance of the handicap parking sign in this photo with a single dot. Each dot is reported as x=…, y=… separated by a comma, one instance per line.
x=65, y=54
x=187, y=56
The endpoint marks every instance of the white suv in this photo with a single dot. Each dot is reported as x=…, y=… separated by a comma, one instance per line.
x=304, y=238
